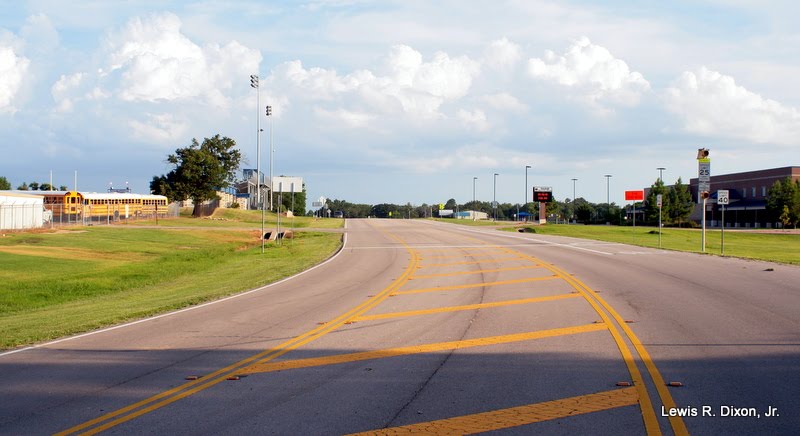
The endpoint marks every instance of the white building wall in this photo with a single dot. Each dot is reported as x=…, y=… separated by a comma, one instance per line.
x=21, y=211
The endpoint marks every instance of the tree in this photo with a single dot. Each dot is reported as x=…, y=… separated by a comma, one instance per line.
x=200, y=170
x=783, y=198
x=5, y=185
x=23, y=187
x=451, y=204
x=680, y=200
x=651, y=205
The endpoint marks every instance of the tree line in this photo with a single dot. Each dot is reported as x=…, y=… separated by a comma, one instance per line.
x=5, y=185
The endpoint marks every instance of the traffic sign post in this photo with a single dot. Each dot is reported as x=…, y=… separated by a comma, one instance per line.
x=660, y=203
x=703, y=187
x=723, y=199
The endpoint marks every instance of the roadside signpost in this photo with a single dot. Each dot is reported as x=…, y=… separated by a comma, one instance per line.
x=660, y=204
x=542, y=195
x=703, y=187
x=723, y=199
x=634, y=196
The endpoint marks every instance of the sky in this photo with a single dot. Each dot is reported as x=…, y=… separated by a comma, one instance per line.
x=402, y=101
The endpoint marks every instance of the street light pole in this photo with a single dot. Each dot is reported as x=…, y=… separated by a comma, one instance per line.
x=474, y=179
x=660, y=174
x=573, y=198
x=254, y=85
x=526, y=184
x=271, y=154
x=608, y=195
x=494, y=198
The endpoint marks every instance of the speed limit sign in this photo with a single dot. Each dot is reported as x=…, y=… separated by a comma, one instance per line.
x=722, y=197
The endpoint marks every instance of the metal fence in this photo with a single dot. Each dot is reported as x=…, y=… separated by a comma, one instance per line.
x=33, y=216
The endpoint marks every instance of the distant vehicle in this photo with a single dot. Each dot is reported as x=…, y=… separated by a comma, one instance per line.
x=338, y=214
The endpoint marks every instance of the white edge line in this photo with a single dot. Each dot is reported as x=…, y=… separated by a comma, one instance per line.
x=500, y=233
x=164, y=315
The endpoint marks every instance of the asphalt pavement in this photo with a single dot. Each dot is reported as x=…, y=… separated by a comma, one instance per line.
x=417, y=326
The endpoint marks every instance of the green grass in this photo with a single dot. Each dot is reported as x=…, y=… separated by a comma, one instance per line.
x=61, y=283
x=773, y=247
x=240, y=218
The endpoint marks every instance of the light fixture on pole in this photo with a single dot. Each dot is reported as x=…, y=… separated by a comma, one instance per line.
x=474, y=180
x=494, y=198
x=254, y=85
x=526, y=183
x=271, y=181
x=608, y=194
x=661, y=174
x=573, y=198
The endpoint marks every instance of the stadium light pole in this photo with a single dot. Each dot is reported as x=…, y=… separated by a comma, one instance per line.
x=661, y=174
x=608, y=195
x=271, y=156
x=474, y=180
x=494, y=198
x=254, y=85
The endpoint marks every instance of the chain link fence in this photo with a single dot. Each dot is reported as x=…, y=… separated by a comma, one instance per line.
x=33, y=216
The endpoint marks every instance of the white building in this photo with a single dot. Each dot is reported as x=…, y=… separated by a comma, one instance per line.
x=22, y=211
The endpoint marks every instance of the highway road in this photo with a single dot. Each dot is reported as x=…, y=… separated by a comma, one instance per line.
x=417, y=326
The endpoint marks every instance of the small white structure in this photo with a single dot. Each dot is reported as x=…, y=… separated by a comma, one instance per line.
x=22, y=211
x=472, y=215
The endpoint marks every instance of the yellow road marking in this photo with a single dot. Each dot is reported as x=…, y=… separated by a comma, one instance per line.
x=461, y=273
x=517, y=416
x=170, y=396
x=417, y=349
x=488, y=260
x=461, y=256
x=465, y=307
x=646, y=406
x=678, y=426
x=475, y=285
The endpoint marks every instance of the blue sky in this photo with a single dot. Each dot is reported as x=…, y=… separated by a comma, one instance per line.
x=402, y=101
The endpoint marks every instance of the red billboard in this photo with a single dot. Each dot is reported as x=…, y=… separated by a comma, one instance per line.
x=634, y=195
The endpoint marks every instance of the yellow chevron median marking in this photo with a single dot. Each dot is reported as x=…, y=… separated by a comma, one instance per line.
x=517, y=416
x=461, y=273
x=473, y=262
x=475, y=285
x=417, y=349
x=465, y=307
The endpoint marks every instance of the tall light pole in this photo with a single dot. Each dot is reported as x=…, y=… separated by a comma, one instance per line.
x=271, y=181
x=254, y=85
x=474, y=180
x=608, y=195
x=573, y=198
x=494, y=198
x=526, y=184
x=660, y=173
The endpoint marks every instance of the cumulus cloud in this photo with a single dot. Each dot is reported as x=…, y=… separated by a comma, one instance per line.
x=593, y=72
x=505, y=102
x=63, y=89
x=12, y=70
x=475, y=119
x=502, y=54
x=160, y=128
x=711, y=103
x=157, y=62
x=410, y=84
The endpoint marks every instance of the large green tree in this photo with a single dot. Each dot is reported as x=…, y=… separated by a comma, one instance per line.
x=651, y=205
x=680, y=203
x=199, y=170
x=5, y=185
x=783, y=201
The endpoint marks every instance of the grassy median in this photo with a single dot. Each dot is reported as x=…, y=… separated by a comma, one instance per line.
x=774, y=246
x=58, y=283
